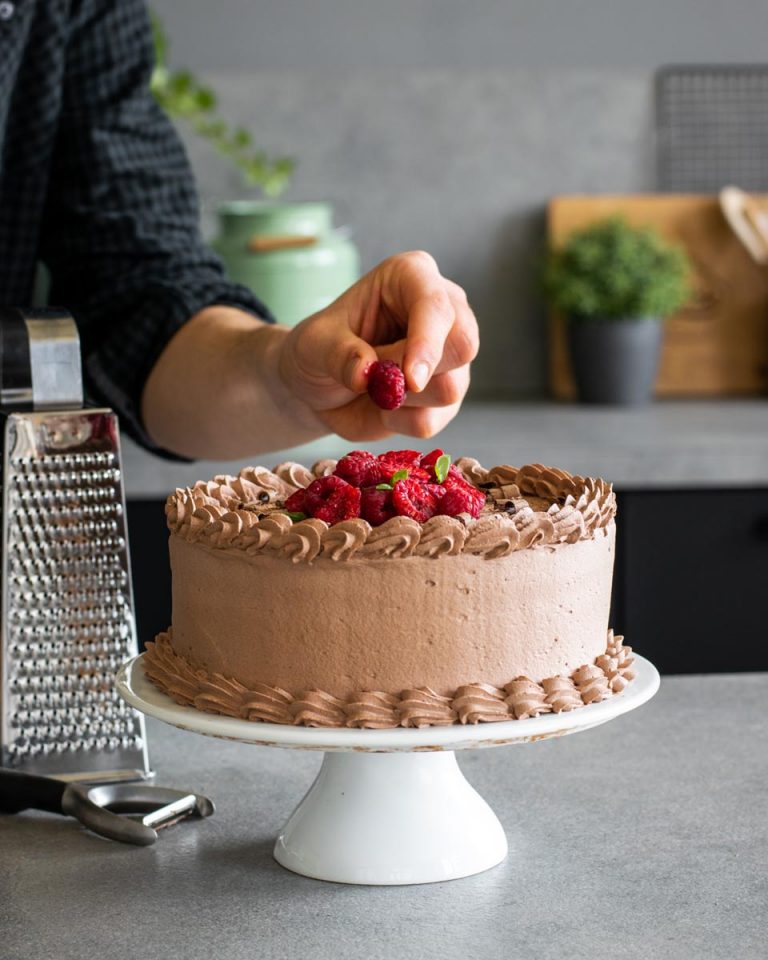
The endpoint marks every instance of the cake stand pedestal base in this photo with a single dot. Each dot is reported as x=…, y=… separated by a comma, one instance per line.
x=388, y=818
x=388, y=806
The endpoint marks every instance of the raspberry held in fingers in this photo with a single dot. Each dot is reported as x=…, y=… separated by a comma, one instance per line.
x=386, y=384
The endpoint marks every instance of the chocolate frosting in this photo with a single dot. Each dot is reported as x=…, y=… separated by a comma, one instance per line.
x=425, y=708
x=343, y=540
x=376, y=711
x=334, y=644
x=526, y=698
x=422, y=707
x=395, y=538
x=318, y=709
x=561, y=694
x=245, y=513
x=480, y=703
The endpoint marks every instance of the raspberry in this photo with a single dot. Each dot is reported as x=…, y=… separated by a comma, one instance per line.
x=332, y=499
x=395, y=460
x=414, y=499
x=296, y=502
x=376, y=506
x=436, y=489
x=429, y=463
x=455, y=478
x=386, y=384
x=430, y=459
x=414, y=473
x=461, y=498
x=360, y=468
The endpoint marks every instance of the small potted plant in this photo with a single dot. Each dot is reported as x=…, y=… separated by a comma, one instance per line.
x=615, y=284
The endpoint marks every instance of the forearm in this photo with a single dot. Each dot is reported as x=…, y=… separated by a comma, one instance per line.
x=216, y=390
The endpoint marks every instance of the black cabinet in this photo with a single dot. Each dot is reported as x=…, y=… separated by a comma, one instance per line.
x=690, y=588
x=691, y=582
x=150, y=566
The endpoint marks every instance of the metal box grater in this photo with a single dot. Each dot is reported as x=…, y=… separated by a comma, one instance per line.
x=66, y=618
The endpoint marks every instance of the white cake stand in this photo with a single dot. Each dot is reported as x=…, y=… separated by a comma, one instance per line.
x=388, y=806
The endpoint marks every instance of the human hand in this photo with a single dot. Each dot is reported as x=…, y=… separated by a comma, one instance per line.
x=403, y=310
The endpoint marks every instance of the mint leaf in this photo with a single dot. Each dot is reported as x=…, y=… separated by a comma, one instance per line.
x=384, y=486
x=400, y=475
x=441, y=467
x=296, y=517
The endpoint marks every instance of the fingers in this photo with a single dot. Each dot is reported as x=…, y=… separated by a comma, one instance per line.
x=426, y=310
x=357, y=421
x=354, y=358
x=422, y=415
x=347, y=356
x=443, y=390
x=430, y=321
x=463, y=342
x=421, y=422
x=327, y=357
x=326, y=349
x=440, y=326
x=360, y=421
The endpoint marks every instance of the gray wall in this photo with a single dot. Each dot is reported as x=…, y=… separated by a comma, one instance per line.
x=461, y=35
x=445, y=125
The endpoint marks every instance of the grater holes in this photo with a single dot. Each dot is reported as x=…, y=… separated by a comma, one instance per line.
x=69, y=585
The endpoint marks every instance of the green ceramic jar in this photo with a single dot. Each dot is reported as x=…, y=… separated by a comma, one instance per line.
x=289, y=254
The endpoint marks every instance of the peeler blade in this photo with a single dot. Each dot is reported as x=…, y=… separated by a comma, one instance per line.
x=171, y=813
x=106, y=809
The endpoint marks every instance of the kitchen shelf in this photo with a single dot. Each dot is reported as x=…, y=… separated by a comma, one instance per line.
x=666, y=445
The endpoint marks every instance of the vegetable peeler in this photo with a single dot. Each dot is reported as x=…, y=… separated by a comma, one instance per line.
x=128, y=812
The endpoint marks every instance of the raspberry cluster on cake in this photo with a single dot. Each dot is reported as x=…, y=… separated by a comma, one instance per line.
x=398, y=590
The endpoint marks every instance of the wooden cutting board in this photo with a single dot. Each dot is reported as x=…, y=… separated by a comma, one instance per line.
x=718, y=343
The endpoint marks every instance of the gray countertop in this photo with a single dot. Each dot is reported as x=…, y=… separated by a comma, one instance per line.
x=643, y=838
x=678, y=445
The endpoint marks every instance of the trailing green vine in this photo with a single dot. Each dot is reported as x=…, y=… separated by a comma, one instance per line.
x=183, y=96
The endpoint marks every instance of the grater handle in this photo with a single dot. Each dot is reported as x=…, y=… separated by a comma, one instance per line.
x=25, y=791
x=40, y=366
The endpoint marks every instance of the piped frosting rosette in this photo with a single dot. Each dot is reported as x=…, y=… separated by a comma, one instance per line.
x=476, y=702
x=526, y=507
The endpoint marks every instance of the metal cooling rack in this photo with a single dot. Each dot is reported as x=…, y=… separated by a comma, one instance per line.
x=712, y=127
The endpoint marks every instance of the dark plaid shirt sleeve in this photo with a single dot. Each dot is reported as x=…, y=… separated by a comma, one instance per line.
x=120, y=231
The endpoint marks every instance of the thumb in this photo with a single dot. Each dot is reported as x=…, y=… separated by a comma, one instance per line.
x=348, y=360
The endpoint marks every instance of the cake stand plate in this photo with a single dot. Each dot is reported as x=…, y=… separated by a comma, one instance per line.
x=388, y=806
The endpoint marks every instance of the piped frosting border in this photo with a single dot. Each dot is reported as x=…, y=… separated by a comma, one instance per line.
x=419, y=707
x=240, y=513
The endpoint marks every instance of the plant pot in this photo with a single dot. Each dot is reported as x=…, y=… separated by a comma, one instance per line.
x=615, y=361
x=289, y=254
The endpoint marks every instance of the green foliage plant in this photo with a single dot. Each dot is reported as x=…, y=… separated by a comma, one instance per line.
x=183, y=96
x=612, y=271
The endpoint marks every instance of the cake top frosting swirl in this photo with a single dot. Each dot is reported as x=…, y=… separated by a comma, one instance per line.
x=522, y=508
